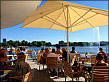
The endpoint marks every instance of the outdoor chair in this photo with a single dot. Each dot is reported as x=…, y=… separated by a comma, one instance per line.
x=99, y=74
x=93, y=58
x=29, y=52
x=77, y=57
x=26, y=57
x=52, y=62
x=24, y=78
x=42, y=61
x=21, y=58
x=83, y=59
x=68, y=71
x=72, y=58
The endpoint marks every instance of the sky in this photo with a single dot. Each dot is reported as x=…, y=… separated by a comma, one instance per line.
x=54, y=36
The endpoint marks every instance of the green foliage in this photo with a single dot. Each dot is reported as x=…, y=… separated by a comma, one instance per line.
x=61, y=42
x=44, y=43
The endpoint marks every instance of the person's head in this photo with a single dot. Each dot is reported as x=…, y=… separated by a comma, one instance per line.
x=8, y=46
x=53, y=50
x=18, y=49
x=46, y=50
x=100, y=49
x=58, y=48
x=99, y=57
x=43, y=47
x=21, y=48
x=63, y=49
x=73, y=48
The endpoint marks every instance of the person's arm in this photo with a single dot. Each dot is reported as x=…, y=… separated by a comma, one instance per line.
x=75, y=52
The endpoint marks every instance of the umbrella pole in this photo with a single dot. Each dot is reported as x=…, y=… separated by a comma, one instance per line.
x=67, y=45
x=67, y=36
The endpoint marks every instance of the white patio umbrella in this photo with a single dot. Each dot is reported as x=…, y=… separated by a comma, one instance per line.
x=66, y=16
x=14, y=12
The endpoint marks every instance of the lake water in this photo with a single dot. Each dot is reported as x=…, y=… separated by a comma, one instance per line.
x=80, y=50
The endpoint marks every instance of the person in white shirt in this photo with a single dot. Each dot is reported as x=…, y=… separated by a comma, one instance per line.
x=52, y=54
x=9, y=50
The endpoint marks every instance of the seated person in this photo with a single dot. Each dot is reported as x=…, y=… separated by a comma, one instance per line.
x=64, y=55
x=18, y=51
x=52, y=54
x=99, y=61
x=43, y=58
x=3, y=58
x=58, y=51
x=103, y=55
x=22, y=51
x=13, y=50
x=43, y=49
x=73, y=55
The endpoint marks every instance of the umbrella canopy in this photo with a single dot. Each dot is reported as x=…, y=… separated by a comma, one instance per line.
x=14, y=12
x=66, y=16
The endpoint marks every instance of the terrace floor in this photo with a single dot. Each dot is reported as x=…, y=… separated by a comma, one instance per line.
x=43, y=76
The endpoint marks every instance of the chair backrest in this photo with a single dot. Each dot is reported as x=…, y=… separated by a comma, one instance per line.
x=28, y=76
x=52, y=62
x=21, y=58
x=100, y=74
x=68, y=69
x=26, y=57
x=84, y=59
x=29, y=52
x=77, y=57
x=72, y=55
x=93, y=58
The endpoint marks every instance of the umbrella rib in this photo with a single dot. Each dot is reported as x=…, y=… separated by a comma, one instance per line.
x=39, y=17
x=46, y=11
x=80, y=17
x=92, y=11
x=64, y=14
x=83, y=18
x=56, y=20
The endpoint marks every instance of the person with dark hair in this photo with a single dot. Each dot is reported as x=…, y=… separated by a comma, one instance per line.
x=22, y=51
x=99, y=61
x=73, y=55
x=58, y=51
x=64, y=55
x=73, y=50
x=103, y=55
x=52, y=54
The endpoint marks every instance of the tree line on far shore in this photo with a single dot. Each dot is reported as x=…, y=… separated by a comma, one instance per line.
x=44, y=43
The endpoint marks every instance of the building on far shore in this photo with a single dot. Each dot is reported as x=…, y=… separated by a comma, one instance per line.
x=4, y=40
x=104, y=42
